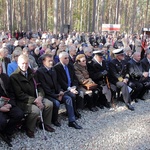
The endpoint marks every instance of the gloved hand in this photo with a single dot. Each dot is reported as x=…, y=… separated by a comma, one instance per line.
x=104, y=73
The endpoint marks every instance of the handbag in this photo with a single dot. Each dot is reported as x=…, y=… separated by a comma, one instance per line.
x=91, y=86
x=3, y=101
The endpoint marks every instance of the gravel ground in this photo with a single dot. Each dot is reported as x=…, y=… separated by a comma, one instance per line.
x=118, y=129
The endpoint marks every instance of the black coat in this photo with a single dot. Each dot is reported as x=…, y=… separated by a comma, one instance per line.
x=145, y=64
x=95, y=71
x=62, y=77
x=135, y=70
x=48, y=81
x=118, y=70
x=5, y=78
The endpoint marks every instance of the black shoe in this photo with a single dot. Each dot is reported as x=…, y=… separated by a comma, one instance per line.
x=56, y=123
x=130, y=107
x=74, y=125
x=96, y=109
x=143, y=99
x=100, y=106
x=5, y=139
x=136, y=101
x=77, y=114
x=92, y=109
x=108, y=105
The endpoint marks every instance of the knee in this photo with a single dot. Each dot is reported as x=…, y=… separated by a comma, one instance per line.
x=48, y=104
x=69, y=101
x=56, y=104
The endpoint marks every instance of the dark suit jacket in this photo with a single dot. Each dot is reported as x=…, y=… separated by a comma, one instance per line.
x=7, y=61
x=118, y=70
x=71, y=61
x=145, y=64
x=48, y=81
x=62, y=77
x=95, y=70
x=135, y=70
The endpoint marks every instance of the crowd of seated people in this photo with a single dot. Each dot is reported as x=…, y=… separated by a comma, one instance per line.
x=40, y=74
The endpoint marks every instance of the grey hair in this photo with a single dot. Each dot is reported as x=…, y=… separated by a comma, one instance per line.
x=62, y=54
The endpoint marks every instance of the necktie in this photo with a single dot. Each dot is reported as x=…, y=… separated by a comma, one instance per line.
x=26, y=75
x=68, y=76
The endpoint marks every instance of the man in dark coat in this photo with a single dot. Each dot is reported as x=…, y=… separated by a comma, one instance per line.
x=48, y=79
x=138, y=76
x=68, y=80
x=30, y=96
x=119, y=76
x=98, y=72
x=10, y=114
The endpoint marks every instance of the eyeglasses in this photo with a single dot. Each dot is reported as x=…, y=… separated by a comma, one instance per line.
x=83, y=61
x=66, y=58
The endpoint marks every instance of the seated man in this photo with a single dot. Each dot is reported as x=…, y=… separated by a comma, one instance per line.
x=138, y=76
x=98, y=72
x=8, y=111
x=48, y=79
x=119, y=76
x=68, y=80
x=24, y=82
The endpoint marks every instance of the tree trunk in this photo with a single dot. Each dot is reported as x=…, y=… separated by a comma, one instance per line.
x=117, y=11
x=41, y=15
x=45, y=22
x=9, y=19
x=94, y=13
x=55, y=15
x=133, y=14
x=62, y=16
x=102, y=13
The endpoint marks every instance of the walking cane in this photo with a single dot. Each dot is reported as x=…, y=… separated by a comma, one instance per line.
x=41, y=117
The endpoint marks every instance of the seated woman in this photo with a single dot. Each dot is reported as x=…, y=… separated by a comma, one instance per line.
x=13, y=65
x=10, y=114
x=90, y=96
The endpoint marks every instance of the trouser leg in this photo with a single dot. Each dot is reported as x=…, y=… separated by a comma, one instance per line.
x=47, y=111
x=15, y=115
x=125, y=92
x=69, y=106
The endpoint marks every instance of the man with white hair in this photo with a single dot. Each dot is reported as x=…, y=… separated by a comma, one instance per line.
x=5, y=60
x=68, y=82
x=139, y=76
x=72, y=54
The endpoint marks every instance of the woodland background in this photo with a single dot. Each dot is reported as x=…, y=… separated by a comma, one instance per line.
x=81, y=15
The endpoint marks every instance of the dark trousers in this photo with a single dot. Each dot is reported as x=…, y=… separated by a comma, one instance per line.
x=14, y=115
x=56, y=105
x=69, y=100
x=137, y=88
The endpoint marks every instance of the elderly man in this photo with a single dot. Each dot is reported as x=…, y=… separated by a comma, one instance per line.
x=139, y=75
x=25, y=85
x=67, y=79
x=72, y=54
x=119, y=76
